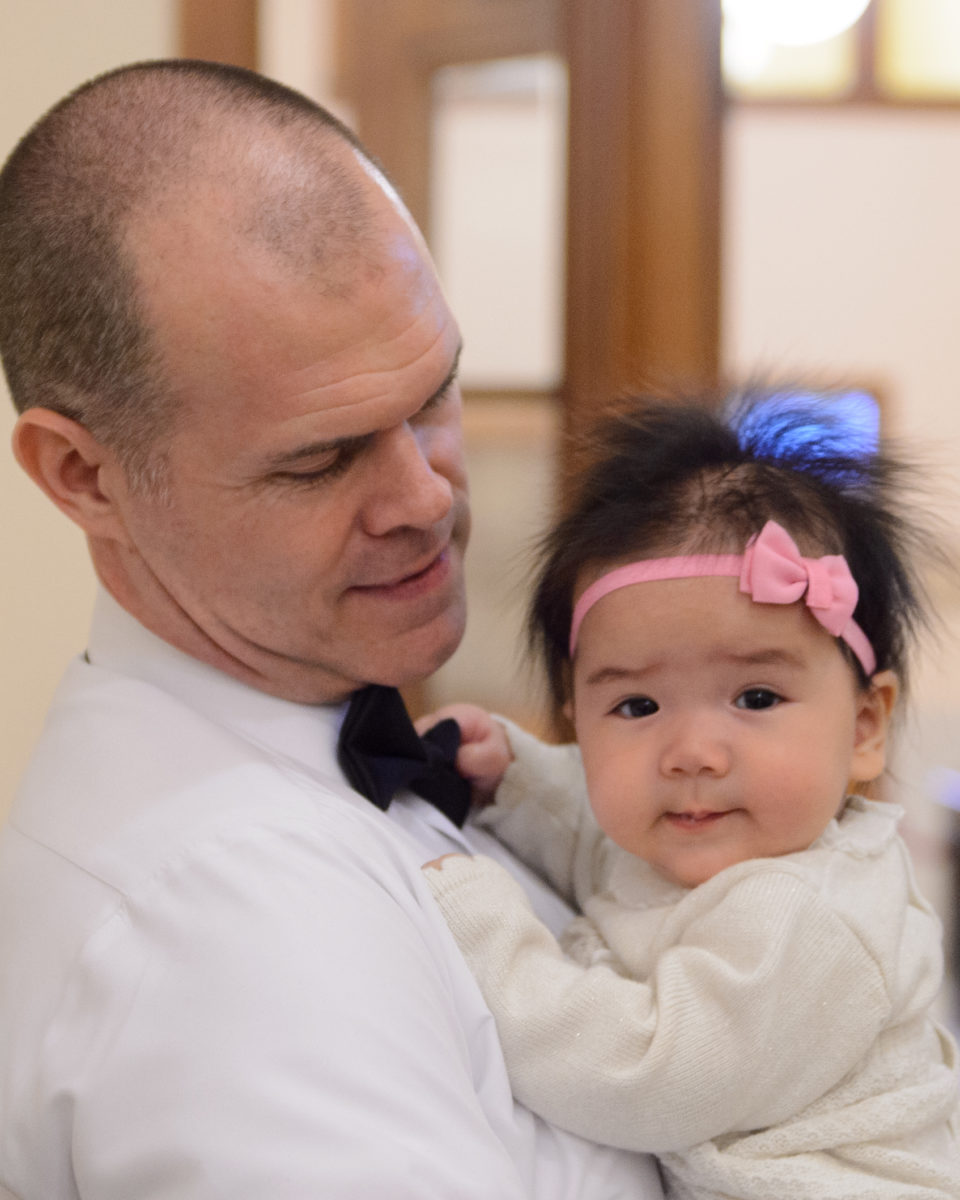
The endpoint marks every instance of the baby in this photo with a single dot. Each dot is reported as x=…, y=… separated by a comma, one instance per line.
x=725, y=613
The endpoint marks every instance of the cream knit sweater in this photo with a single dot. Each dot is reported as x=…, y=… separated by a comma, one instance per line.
x=766, y=1034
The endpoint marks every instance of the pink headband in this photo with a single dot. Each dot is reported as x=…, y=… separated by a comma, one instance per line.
x=771, y=571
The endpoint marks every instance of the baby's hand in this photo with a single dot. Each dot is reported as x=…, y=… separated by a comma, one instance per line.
x=484, y=753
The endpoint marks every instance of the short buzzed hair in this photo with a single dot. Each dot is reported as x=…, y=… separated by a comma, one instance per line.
x=73, y=333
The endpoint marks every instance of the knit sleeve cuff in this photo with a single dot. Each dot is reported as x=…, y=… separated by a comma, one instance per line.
x=471, y=892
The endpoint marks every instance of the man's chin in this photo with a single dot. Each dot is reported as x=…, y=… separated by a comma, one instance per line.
x=407, y=665
x=401, y=658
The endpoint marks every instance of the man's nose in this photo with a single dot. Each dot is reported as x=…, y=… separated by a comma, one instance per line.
x=409, y=487
x=695, y=745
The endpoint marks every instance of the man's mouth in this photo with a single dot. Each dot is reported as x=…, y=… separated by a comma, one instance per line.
x=413, y=582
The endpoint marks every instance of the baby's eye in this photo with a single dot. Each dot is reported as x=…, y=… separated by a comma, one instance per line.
x=757, y=698
x=637, y=706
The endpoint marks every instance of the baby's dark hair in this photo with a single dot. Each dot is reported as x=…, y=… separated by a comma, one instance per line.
x=696, y=476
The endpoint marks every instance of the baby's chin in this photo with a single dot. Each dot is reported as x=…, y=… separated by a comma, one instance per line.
x=699, y=868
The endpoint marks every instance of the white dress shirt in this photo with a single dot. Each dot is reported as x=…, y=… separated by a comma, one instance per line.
x=222, y=972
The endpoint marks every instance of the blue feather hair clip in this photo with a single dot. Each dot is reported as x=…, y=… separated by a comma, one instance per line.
x=833, y=435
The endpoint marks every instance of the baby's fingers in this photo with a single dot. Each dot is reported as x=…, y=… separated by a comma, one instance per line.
x=475, y=722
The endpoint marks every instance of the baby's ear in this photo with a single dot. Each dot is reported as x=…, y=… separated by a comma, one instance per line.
x=875, y=708
x=566, y=682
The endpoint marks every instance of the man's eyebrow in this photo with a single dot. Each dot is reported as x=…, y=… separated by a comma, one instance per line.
x=289, y=458
x=316, y=449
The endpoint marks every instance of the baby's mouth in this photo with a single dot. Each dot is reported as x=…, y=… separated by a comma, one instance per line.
x=695, y=820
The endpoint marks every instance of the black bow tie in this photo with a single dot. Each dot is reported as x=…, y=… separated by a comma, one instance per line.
x=380, y=752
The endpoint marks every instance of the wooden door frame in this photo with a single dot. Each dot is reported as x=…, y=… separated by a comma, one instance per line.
x=387, y=56
x=644, y=222
x=644, y=156
x=644, y=160
x=219, y=31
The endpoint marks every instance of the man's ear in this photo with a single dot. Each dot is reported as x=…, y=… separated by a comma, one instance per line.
x=78, y=473
x=874, y=711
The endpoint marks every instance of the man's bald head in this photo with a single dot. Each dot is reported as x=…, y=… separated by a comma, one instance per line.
x=123, y=151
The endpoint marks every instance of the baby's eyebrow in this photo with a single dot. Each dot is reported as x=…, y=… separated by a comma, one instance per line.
x=775, y=656
x=616, y=675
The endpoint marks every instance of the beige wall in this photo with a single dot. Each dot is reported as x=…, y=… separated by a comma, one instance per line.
x=46, y=48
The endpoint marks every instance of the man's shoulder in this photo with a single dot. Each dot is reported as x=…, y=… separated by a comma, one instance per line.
x=125, y=775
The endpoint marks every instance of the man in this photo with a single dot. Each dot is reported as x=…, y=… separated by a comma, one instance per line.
x=222, y=974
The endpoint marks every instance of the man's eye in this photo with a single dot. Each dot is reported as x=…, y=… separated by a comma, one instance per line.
x=433, y=403
x=757, y=698
x=328, y=467
x=636, y=706
x=319, y=475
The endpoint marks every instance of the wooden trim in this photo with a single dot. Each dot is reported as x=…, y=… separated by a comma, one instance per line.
x=428, y=34
x=643, y=195
x=218, y=31
x=388, y=52
x=388, y=92
x=865, y=33
x=511, y=419
x=643, y=280
x=879, y=100
x=497, y=395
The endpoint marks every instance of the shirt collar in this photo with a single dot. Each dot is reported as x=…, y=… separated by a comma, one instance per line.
x=306, y=733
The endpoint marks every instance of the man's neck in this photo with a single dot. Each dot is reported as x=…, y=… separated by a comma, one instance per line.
x=141, y=594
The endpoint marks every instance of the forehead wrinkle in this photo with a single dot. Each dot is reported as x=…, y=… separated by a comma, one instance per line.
x=351, y=405
x=318, y=446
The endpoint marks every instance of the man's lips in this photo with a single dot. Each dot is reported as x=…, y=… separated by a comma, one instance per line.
x=416, y=580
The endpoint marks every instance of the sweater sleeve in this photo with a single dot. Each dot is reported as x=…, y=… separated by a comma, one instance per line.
x=541, y=812
x=762, y=1003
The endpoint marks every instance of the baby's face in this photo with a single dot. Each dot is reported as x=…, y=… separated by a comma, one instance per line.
x=714, y=729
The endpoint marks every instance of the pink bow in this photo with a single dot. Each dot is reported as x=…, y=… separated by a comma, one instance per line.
x=771, y=571
x=775, y=572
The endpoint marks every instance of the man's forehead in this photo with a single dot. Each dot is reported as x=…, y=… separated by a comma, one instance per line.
x=281, y=357
x=309, y=215
x=202, y=278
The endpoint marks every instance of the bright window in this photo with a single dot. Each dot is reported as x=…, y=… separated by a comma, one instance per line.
x=918, y=48
x=889, y=51
x=754, y=67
